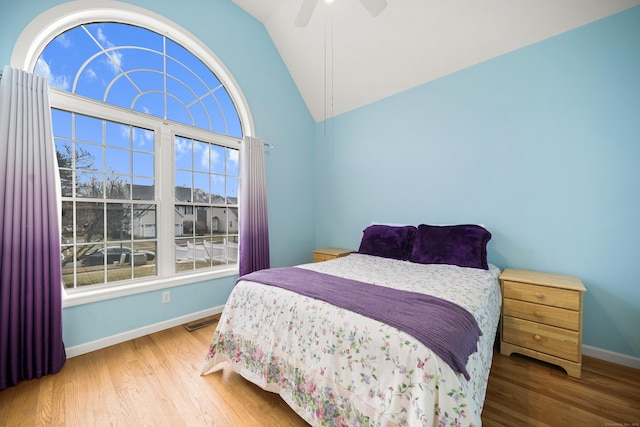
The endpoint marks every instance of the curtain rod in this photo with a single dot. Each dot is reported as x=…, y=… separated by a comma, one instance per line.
x=266, y=144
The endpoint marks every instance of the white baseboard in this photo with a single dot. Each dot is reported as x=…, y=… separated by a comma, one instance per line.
x=610, y=356
x=140, y=332
x=598, y=353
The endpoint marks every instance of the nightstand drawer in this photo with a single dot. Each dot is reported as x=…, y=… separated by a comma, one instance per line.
x=548, y=315
x=556, y=297
x=545, y=339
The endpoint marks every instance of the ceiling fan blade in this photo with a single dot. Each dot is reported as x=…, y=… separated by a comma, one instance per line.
x=306, y=10
x=374, y=7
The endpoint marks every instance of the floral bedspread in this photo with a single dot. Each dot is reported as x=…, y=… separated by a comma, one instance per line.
x=335, y=367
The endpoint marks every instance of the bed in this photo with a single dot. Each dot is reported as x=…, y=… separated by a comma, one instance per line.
x=336, y=366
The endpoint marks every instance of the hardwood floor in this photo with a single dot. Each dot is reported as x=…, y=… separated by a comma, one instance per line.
x=527, y=392
x=155, y=381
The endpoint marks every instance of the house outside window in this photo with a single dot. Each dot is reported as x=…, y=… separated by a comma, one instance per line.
x=147, y=137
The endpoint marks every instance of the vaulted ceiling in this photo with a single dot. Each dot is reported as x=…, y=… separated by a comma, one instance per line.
x=345, y=58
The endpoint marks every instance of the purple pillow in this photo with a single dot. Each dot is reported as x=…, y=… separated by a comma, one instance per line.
x=388, y=241
x=461, y=245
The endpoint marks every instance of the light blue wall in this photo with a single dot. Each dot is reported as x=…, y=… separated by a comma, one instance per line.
x=542, y=145
x=280, y=117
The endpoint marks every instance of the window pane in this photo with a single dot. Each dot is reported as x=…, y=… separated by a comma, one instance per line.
x=216, y=159
x=202, y=217
x=200, y=187
x=233, y=220
x=141, y=61
x=232, y=190
x=68, y=222
x=232, y=162
x=149, y=79
x=118, y=135
x=89, y=185
x=143, y=140
x=118, y=187
x=89, y=222
x=63, y=152
x=232, y=120
x=201, y=156
x=183, y=153
x=178, y=89
x=89, y=156
x=88, y=129
x=183, y=73
x=120, y=260
x=118, y=221
x=61, y=121
x=64, y=157
x=216, y=115
x=68, y=266
x=184, y=214
x=144, y=222
x=184, y=261
x=148, y=268
x=118, y=161
x=143, y=189
x=217, y=189
x=183, y=186
x=143, y=164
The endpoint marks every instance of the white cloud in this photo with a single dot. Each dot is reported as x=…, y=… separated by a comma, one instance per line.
x=209, y=157
x=64, y=40
x=114, y=61
x=233, y=156
x=90, y=74
x=58, y=82
x=101, y=37
x=142, y=136
x=182, y=146
x=114, y=58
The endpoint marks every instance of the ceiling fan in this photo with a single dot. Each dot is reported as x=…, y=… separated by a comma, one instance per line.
x=374, y=7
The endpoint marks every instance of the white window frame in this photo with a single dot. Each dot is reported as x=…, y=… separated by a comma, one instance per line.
x=47, y=26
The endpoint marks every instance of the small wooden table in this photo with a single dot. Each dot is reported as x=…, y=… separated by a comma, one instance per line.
x=326, y=254
x=542, y=317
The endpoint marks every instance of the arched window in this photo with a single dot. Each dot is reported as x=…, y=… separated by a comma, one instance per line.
x=130, y=104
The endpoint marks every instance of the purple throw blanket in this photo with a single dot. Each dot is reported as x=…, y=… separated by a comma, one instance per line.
x=447, y=329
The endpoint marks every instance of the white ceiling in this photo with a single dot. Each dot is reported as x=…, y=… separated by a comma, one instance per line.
x=345, y=58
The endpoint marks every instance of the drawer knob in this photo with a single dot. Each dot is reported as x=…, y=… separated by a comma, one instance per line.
x=537, y=314
x=539, y=295
x=537, y=337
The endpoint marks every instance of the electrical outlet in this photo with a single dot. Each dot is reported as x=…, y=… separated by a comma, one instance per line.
x=166, y=297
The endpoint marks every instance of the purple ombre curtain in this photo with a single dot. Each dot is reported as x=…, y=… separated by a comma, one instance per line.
x=30, y=271
x=254, y=230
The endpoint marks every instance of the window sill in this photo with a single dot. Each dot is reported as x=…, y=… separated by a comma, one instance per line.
x=72, y=297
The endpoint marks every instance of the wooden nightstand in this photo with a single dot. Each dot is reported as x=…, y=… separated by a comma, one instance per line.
x=329, y=253
x=542, y=317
